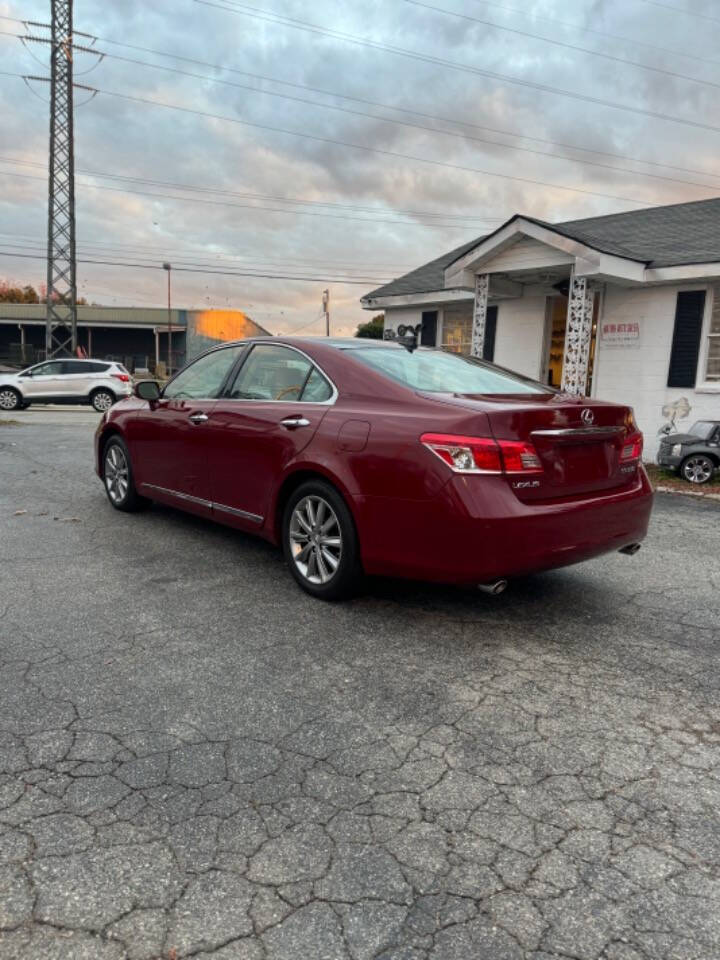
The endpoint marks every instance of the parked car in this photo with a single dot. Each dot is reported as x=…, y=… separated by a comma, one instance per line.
x=97, y=382
x=695, y=455
x=360, y=456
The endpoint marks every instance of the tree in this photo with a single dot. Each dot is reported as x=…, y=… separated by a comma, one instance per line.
x=12, y=294
x=373, y=329
x=9, y=293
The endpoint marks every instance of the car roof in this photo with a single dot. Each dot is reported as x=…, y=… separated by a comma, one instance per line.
x=76, y=360
x=338, y=343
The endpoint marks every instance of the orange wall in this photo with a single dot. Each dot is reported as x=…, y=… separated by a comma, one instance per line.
x=223, y=324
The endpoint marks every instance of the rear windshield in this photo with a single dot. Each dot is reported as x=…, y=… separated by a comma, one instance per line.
x=433, y=371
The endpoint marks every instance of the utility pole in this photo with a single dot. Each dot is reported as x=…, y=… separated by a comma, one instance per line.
x=168, y=267
x=326, y=310
x=61, y=312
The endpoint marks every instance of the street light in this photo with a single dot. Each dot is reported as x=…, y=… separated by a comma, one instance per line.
x=168, y=267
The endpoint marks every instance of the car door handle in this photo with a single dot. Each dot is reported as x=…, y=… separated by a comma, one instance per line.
x=291, y=423
x=198, y=417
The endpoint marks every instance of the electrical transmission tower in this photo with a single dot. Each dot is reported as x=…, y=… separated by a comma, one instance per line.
x=61, y=316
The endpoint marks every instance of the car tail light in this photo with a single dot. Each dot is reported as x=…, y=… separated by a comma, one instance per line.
x=483, y=454
x=520, y=457
x=121, y=376
x=632, y=447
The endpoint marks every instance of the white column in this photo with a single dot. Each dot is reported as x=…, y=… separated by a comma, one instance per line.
x=482, y=286
x=578, y=336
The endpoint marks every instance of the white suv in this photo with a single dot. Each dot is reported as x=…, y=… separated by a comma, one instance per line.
x=98, y=382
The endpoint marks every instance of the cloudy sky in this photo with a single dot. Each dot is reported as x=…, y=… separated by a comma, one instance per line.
x=345, y=140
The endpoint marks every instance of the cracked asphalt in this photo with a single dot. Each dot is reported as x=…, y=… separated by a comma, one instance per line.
x=196, y=759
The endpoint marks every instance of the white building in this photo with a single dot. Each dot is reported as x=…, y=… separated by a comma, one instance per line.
x=623, y=307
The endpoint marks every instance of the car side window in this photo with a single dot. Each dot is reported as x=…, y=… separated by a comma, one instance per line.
x=75, y=366
x=51, y=369
x=317, y=389
x=203, y=378
x=271, y=373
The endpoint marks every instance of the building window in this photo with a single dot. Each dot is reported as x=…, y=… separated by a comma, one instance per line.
x=712, y=366
x=457, y=331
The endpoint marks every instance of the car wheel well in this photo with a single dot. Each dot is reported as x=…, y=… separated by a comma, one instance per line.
x=290, y=484
x=102, y=390
x=714, y=457
x=106, y=438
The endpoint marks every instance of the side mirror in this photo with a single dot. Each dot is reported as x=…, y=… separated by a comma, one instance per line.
x=147, y=390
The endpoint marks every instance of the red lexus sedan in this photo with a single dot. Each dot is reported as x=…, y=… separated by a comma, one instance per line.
x=373, y=457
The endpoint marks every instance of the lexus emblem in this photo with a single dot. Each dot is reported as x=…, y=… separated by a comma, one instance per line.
x=587, y=416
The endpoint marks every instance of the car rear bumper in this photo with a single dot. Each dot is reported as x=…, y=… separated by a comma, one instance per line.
x=478, y=530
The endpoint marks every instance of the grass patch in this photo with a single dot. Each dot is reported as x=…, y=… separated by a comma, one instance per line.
x=666, y=478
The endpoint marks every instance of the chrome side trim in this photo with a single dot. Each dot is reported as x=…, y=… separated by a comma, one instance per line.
x=587, y=433
x=180, y=496
x=233, y=511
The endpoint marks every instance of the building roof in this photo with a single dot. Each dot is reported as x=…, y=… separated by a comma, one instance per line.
x=670, y=236
x=431, y=276
x=123, y=316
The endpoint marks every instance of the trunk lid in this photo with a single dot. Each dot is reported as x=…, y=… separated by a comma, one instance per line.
x=579, y=442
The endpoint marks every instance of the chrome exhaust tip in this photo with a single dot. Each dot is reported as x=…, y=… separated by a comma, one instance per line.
x=631, y=549
x=494, y=588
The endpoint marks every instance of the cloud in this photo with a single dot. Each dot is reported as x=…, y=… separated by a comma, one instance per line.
x=130, y=139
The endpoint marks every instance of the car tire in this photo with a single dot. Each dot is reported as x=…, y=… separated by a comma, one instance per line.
x=10, y=399
x=102, y=399
x=320, y=541
x=697, y=468
x=117, y=475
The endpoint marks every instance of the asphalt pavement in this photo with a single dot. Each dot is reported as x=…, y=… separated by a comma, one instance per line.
x=196, y=759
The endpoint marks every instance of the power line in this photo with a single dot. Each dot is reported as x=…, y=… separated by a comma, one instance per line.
x=270, y=17
x=416, y=126
x=153, y=261
x=259, y=196
x=356, y=146
x=690, y=13
x=416, y=113
x=249, y=206
x=407, y=110
x=223, y=273
x=564, y=44
x=164, y=252
x=599, y=33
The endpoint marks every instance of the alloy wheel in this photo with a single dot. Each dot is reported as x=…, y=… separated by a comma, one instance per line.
x=315, y=539
x=697, y=469
x=102, y=401
x=117, y=474
x=8, y=400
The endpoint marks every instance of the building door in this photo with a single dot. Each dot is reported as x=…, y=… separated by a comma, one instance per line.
x=555, y=327
x=428, y=335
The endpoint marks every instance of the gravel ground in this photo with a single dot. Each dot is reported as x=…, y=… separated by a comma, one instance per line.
x=196, y=759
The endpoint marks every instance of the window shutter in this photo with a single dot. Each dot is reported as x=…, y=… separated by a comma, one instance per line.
x=686, y=338
x=428, y=335
x=490, y=330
